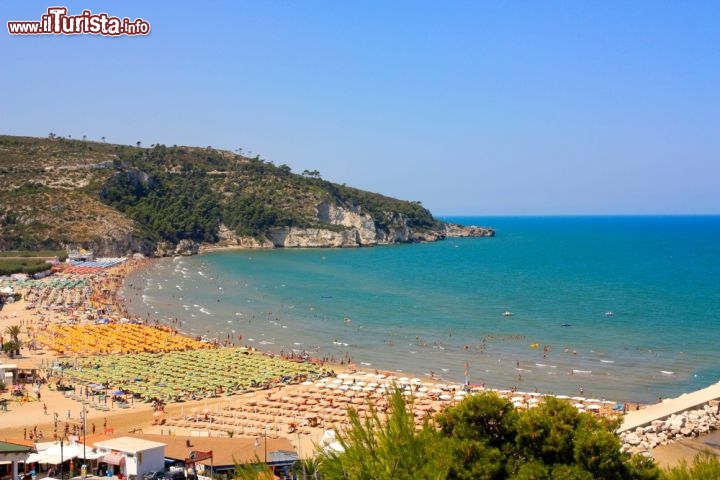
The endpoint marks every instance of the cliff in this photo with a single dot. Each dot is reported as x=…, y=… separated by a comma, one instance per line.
x=117, y=199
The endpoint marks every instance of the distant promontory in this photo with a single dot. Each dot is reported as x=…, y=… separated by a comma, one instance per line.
x=115, y=199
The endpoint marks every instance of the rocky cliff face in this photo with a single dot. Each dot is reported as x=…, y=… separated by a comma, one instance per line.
x=361, y=224
x=350, y=227
x=346, y=227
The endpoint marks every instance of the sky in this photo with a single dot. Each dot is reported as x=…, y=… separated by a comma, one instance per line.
x=470, y=107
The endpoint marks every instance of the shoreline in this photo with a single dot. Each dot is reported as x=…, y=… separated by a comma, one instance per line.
x=501, y=353
x=117, y=419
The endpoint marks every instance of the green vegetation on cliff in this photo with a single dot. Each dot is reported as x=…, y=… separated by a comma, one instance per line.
x=58, y=191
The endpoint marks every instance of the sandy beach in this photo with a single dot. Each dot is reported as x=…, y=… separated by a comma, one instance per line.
x=299, y=409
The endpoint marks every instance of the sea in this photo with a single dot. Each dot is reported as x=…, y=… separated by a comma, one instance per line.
x=623, y=308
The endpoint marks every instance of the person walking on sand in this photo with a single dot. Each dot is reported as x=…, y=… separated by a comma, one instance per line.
x=45, y=408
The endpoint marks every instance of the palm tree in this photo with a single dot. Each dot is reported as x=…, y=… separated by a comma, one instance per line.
x=14, y=332
x=306, y=469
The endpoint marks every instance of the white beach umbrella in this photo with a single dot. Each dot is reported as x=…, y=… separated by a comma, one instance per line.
x=335, y=446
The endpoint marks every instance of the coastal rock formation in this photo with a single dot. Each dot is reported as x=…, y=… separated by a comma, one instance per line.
x=350, y=227
x=454, y=231
x=227, y=238
x=360, y=224
x=183, y=247
x=312, y=237
x=661, y=432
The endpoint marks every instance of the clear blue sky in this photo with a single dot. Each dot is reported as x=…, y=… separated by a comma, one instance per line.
x=472, y=107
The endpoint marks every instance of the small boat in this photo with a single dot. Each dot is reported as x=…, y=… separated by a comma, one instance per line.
x=507, y=313
x=566, y=324
x=609, y=313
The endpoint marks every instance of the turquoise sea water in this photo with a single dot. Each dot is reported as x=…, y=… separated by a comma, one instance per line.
x=435, y=306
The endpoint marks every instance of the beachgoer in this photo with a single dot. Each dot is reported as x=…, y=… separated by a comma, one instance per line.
x=45, y=408
x=582, y=390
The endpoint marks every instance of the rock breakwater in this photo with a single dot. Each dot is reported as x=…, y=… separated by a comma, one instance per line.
x=690, y=423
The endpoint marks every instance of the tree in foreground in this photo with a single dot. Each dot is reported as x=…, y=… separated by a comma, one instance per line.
x=257, y=470
x=704, y=466
x=387, y=447
x=484, y=437
x=492, y=440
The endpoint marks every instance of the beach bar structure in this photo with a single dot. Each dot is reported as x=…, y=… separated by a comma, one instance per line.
x=132, y=456
x=10, y=455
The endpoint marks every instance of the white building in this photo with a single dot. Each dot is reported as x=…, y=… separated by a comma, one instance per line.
x=132, y=456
